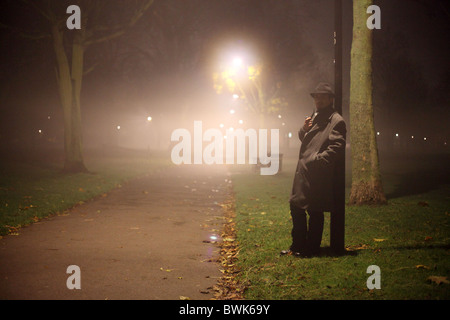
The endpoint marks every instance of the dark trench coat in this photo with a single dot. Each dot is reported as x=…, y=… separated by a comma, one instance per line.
x=314, y=180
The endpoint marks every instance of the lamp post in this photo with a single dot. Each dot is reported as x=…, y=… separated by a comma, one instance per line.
x=337, y=222
x=118, y=135
x=149, y=120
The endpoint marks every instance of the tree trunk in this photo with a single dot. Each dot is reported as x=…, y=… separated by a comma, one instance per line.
x=366, y=179
x=76, y=162
x=69, y=84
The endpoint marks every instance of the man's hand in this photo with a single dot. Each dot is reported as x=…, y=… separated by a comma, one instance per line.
x=308, y=124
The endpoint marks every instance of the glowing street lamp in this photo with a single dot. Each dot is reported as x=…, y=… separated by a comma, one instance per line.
x=232, y=111
x=237, y=62
x=118, y=127
x=241, y=121
x=149, y=119
x=235, y=96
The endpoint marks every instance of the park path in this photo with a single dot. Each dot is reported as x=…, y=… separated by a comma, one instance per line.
x=148, y=239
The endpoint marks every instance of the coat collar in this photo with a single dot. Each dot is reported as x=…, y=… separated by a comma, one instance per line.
x=323, y=117
x=325, y=113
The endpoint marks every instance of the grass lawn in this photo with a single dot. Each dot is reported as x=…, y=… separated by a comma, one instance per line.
x=32, y=187
x=408, y=239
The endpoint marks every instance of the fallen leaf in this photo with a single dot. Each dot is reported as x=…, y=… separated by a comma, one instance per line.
x=421, y=266
x=438, y=280
x=379, y=240
x=184, y=298
x=357, y=247
x=428, y=238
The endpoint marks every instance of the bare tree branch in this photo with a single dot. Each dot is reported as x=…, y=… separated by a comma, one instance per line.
x=43, y=13
x=121, y=29
x=87, y=71
x=26, y=34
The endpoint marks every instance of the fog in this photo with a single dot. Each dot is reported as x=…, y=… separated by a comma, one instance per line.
x=163, y=68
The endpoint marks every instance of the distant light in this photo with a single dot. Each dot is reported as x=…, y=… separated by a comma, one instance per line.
x=235, y=96
x=378, y=133
x=231, y=129
x=213, y=237
x=237, y=62
x=40, y=131
x=412, y=137
x=445, y=143
x=224, y=137
x=283, y=124
x=118, y=127
x=396, y=134
x=241, y=122
x=149, y=119
x=424, y=138
x=290, y=134
x=279, y=116
x=221, y=125
x=232, y=111
x=48, y=117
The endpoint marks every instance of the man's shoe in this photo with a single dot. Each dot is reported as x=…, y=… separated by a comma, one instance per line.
x=301, y=255
x=285, y=253
x=291, y=253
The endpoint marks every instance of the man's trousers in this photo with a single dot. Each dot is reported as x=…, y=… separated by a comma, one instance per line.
x=306, y=237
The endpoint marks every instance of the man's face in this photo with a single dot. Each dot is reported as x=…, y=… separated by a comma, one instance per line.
x=322, y=100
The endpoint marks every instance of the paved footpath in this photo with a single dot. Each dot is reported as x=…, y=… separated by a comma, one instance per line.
x=145, y=240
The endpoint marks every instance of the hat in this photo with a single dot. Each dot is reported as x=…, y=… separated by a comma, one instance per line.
x=323, y=87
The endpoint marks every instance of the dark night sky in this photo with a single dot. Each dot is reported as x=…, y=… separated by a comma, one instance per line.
x=411, y=76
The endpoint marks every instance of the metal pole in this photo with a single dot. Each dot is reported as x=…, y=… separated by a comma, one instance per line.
x=337, y=223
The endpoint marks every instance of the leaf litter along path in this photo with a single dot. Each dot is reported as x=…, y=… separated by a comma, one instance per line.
x=148, y=239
